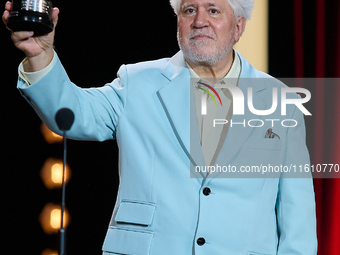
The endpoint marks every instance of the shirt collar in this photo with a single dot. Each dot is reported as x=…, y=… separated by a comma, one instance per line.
x=230, y=78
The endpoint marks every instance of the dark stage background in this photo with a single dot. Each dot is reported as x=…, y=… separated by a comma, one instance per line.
x=92, y=41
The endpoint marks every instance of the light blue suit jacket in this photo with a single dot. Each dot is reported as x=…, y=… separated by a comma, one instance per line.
x=160, y=207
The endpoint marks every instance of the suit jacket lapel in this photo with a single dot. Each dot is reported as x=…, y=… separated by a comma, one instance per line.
x=177, y=103
x=238, y=134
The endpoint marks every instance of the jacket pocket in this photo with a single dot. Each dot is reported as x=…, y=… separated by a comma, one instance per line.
x=127, y=242
x=136, y=213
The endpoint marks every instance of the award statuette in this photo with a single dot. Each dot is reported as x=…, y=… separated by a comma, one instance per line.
x=31, y=15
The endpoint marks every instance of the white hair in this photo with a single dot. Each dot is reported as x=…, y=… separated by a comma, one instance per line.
x=240, y=7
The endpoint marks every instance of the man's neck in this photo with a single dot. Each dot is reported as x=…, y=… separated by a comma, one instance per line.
x=215, y=72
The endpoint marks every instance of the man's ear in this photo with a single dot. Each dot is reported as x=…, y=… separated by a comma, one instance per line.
x=240, y=25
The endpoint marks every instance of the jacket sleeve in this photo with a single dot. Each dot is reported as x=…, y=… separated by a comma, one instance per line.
x=295, y=207
x=97, y=110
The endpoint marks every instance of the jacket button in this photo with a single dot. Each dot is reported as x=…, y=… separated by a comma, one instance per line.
x=206, y=191
x=200, y=241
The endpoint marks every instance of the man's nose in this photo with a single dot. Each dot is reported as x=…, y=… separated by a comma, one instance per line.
x=201, y=19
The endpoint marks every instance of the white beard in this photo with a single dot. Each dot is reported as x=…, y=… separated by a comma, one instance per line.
x=193, y=53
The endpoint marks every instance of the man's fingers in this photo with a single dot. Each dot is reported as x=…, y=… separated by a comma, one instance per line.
x=8, y=6
x=55, y=13
x=5, y=16
x=21, y=36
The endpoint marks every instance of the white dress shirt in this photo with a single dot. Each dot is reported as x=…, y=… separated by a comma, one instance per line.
x=32, y=77
x=212, y=137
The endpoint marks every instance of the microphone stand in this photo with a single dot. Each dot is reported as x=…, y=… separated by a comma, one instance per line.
x=64, y=119
x=62, y=230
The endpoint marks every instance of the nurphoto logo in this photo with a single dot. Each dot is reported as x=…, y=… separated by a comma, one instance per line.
x=238, y=99
x=238, y=104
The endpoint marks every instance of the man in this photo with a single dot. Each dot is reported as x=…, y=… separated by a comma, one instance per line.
x=153, y=110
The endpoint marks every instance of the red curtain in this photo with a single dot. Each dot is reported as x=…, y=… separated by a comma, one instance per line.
x=327, y=64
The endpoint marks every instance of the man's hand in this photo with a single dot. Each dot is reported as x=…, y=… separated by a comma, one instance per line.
x=38, y=49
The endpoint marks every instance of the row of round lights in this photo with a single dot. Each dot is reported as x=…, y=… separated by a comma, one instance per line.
x=52, y=174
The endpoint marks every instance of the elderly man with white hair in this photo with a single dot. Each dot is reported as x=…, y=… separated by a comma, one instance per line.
x=166, y=205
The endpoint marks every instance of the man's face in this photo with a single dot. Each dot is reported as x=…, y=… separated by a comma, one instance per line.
x=206, y=30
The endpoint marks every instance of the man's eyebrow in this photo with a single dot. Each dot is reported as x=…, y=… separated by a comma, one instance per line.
x=193, y=5
x=187, y=5
x=214, y=4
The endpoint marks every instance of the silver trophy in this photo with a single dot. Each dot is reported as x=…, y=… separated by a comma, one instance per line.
x=31, y=15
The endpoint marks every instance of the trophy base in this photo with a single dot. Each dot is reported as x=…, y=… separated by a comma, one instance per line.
x=24, y=20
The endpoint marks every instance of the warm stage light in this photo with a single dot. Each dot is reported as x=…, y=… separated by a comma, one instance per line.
x=57, y=173
x=50, y=218
x=55, y=218
x=49, y=252
x=52, y=173
x=50, y=137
